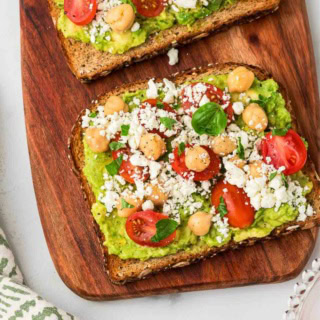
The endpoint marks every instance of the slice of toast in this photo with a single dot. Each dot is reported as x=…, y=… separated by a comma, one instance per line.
x=122, y=271
x=88, y=63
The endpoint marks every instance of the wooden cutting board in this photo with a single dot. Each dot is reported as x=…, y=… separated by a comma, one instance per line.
x=280, y=43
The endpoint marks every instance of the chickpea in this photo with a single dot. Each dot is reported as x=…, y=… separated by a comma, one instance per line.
x=197, y=159
x=95, y=141
x=223, y=145
x=158, y=197
x=126, y=212
x=152, y=145
x=200, y=223
x=120, y=18
x=115, y=104
x=255, y=169
x=237, y=161
x=240, y=80
x=255, y=117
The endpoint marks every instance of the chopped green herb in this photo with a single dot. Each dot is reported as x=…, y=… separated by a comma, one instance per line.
x=240, y=149
x=165, y=228
x=114, y=166
x=175, y=106
x=279, y=132
x=181, y=148
x=92, y=114
x=272, y=175
x=125, y=130
x=168, y=122
x=222, y=208
x=160, y=105
x=262, y=101
x=125, y=204
x=116, y=145
x=284, y=180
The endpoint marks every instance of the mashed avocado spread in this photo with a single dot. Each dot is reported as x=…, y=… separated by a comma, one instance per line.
x=266, y=219
x=118, y=43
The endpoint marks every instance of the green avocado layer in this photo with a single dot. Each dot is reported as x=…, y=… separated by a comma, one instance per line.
x=118, y=43
x=266, y=220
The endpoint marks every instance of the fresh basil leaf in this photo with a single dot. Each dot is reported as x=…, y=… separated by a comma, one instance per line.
x=125, y=130
x=125, y=204
x=114, y=145
x=279, y=132
x=262, y=101
x=160, y=105
x=209, y=119
x=181, y=148
x=92, y=114
x=175, y=106
x=272, y=175
x=114, y=166
x=284, y=180
x=222, y=208
x=165, y=228
x=240, y=149
x=168, y=122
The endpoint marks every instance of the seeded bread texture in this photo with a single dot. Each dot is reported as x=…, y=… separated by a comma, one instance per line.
x=122, y=271
x=88, y=63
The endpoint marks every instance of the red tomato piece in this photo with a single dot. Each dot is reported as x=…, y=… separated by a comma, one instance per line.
x=213, y=93
x=288, y=151
x=240, y=212
x=80, y=12
x=127, y=170
x=166, y=107
x=149, y=8
x=141, y=227
x=179, y=166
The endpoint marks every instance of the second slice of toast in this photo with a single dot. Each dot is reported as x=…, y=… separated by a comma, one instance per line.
x=88, y=63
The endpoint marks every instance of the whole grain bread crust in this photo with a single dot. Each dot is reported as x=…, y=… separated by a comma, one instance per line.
x=123, y=271
x=88, y=63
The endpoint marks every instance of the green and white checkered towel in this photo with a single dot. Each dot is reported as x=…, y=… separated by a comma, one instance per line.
x=18, y=302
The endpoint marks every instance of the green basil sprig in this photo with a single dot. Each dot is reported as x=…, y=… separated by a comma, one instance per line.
x=167, y=122
x=165, y=227
x=209, y=119
x=240, y=149
x=222, y=208
x=114, y=166
x=125, y=204
x=114, y=146
x=125, y=130
x=181, y=148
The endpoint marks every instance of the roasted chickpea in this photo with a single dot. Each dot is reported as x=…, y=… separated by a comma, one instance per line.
x=152, y=145
x=240, y=80
x=95, y=141
x=158, y=197
x=126, y=212
x=115, y=104
x=237, y=161
x=197, y=159
x=223, y=145
x=200, y=223
x=120, y=18
x=255, y=169
x=255, y=117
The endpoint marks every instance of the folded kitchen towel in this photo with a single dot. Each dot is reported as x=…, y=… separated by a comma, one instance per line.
x=18, y=301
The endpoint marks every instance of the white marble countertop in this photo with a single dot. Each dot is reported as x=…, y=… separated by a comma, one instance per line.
x=20, y=220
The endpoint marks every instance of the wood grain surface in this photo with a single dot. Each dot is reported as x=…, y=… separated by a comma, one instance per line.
x=280, y=43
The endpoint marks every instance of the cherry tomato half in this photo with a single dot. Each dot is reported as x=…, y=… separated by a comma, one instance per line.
x=179, y=166
x=141, y=227
x=80, y=12
x=149, y=8
x=288, y=151
x=213, y=93
x=240, y=212
x=166, y=107
x=127, y=170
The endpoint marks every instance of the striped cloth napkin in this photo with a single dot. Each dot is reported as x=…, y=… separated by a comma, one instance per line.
x=16, y=300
